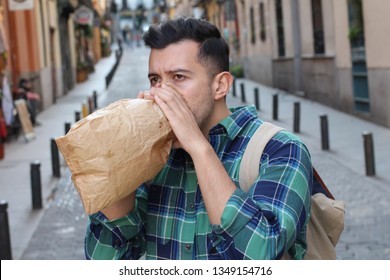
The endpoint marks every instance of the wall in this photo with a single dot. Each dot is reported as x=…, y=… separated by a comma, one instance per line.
x=258, y=62
x=377, y=28
x=319, y=80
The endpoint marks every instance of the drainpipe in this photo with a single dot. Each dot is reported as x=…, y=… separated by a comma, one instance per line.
x=296, y=29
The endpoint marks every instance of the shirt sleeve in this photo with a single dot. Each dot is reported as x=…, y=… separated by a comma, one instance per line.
x=122, y=238
x=272, y=216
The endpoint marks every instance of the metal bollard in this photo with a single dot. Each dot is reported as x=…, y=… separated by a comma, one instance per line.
x=55, y=159
x=36, y=188
x=275, y=106
x=324, y=132
x=234, y=87
x=5, y=240
x=67, y=127
x=77, y=116
x=369, y=153
x=94, y=97
x=257, y=98
x=242, y=86
x=297, y=116
x=90, y=105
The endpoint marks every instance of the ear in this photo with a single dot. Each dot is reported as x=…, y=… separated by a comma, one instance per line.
x=222, y=83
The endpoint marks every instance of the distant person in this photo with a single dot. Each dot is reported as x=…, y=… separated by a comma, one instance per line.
x=124, y=35
x=195, y=208
x=32, y=99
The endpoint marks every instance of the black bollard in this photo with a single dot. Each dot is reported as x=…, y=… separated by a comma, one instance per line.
x=5, y=240
x=257, y=98
x=242, y=86
x=55, y=159
x=36, y=188
x=324, y=132
x=77, y=116
x=369, y=153
x=297, y=116
x=90, y=105
x=67, y=127
x=234, y=87
x=94, y=96
x=275, y=106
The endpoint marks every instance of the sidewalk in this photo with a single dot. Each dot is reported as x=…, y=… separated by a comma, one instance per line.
x=60, y=232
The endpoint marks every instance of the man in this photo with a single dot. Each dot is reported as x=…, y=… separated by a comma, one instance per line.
x=194, y=208
x=32, y=99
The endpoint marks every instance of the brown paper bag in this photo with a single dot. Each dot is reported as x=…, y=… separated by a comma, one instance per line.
x=114, y=150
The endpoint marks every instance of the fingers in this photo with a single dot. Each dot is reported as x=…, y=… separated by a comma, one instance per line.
x=169, y=95
x=171, y=102
x=145, y=95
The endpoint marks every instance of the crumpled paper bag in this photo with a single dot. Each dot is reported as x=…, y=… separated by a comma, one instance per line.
x=112, y=151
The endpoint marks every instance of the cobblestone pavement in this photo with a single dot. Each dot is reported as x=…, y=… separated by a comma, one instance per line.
x=60, y=233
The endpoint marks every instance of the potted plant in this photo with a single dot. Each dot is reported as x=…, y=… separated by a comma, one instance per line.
x=82, y=71
x=237, y=70
x=356, y=36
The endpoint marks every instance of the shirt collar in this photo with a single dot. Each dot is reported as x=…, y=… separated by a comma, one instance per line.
x=236, y=121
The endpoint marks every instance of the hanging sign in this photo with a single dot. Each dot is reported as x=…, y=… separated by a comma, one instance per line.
x=18, y=5
x=83, y=15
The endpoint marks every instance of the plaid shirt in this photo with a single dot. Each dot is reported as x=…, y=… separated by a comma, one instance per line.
x=170, y=219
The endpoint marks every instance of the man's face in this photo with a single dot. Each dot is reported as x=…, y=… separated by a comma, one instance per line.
x=178, y=66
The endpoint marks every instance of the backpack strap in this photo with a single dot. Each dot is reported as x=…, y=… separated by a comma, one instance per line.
x=326, y=221
x=250, y=162
x=323, y=188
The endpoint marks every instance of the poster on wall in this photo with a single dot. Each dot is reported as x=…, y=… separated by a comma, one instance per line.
x=24, y=117
x=18, y=5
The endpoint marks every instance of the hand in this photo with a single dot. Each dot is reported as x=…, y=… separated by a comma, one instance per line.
x=182, y=120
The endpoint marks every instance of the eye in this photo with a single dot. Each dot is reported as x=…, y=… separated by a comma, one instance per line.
x=153, y=80
x=178, y=77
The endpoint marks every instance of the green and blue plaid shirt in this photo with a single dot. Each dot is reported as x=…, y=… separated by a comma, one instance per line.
x=170, y=219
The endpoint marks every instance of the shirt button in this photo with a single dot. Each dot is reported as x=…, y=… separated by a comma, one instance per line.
x=188, y=246
x=192, y=205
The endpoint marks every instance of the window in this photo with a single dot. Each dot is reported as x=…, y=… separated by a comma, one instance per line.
x=356, y=23
x=253, y=28
x=318, y=27
x=230, y=10
x=280, y=28
x=361, y=89
x=262, y=22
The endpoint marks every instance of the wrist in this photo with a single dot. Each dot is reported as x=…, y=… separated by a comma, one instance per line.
x=120, y=208
x=201, y=151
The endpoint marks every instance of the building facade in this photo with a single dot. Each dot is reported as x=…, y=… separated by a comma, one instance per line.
x=330, y=51
x=39, y=42
x=31, y=32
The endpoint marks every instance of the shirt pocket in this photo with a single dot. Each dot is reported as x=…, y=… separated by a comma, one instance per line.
x=162, y=202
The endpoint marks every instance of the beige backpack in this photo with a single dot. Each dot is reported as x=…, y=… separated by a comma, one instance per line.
x=327, y=214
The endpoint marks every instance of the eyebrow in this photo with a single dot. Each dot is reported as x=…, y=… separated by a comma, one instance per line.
x=179, y=70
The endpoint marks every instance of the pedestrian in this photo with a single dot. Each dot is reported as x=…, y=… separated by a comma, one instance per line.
x=32, y=99
x=194, y=208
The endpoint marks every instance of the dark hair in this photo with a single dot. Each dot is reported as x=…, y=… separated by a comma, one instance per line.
x=22, y=82
x=213, y=49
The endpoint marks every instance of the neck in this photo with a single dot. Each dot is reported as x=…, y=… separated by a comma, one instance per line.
x=220, y=112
